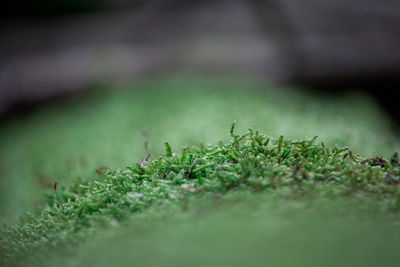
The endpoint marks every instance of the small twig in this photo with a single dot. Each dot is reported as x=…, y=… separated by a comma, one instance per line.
x=145, y=159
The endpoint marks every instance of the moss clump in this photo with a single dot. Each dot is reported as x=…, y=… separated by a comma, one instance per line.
x=251, y=162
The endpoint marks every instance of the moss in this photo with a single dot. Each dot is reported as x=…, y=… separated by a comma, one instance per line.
x=250, y=162
x=68, y=140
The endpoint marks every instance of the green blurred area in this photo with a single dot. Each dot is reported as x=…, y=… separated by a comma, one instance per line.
x=248, y=230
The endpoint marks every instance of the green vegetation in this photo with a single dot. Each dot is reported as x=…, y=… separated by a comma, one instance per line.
x=65, y=142
x=250, y=162
x=275, y=193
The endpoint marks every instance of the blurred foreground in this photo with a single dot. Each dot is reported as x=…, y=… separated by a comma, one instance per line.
x=249, y=230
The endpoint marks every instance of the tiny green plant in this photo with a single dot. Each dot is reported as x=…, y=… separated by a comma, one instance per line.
x=250, y=162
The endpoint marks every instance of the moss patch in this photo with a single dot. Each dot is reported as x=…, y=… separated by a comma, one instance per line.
x=252, y=162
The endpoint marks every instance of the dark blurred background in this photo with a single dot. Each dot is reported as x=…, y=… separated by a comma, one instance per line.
x=51, y=49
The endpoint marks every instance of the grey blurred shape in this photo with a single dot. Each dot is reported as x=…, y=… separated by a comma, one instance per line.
x=281, y=40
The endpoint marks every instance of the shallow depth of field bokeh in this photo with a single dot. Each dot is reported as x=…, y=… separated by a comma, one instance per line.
x=86, y=87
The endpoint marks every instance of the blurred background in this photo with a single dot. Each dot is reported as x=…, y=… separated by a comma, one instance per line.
x=85, y=83
x=55, y=48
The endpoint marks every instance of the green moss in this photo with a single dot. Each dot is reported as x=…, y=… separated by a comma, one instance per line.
x=67, y=141
x=252, y=162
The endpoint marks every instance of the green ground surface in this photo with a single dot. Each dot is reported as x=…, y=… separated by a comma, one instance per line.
x=66, y=142
x=249, y=231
